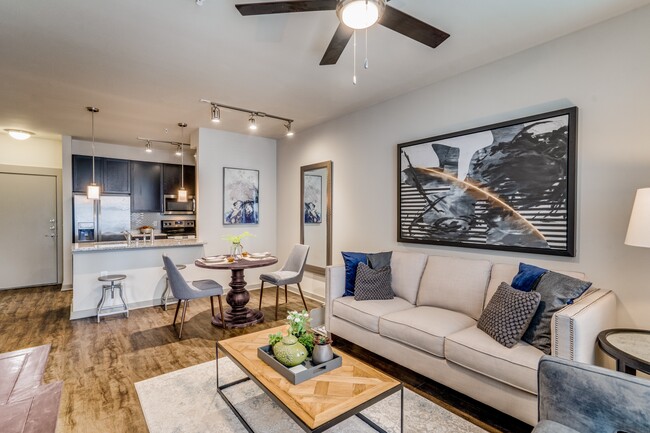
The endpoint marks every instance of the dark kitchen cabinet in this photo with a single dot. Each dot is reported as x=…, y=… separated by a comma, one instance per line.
x=116, y=176
x=172, y=179
x=146, y=187
x=82, y=172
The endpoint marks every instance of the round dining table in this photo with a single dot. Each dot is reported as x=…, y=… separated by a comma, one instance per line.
x=238, y=315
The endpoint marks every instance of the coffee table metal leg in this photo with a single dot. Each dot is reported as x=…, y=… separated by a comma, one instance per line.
x=220, y=389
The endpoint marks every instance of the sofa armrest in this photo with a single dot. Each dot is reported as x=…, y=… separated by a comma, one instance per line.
x=574, y=329
x=334, y=288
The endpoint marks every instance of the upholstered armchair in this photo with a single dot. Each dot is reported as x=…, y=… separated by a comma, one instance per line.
x=575, y=397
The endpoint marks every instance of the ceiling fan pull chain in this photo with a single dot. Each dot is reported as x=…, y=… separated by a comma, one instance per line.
x=365, y=62
x=354, y=62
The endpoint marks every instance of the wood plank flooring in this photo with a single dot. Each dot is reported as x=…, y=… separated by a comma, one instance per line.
x=99, y=363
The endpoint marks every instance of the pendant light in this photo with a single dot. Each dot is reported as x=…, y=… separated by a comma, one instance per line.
x=182, y=192
x=93, y=189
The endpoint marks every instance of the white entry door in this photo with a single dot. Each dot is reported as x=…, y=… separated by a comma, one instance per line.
x=28, y=252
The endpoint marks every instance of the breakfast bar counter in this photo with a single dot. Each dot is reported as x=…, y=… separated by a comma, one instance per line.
x=142, y=264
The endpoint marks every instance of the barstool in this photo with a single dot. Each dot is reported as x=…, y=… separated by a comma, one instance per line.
x=113, y=309
x=165, y=295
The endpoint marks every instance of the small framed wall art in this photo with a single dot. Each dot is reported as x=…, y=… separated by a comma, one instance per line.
x=508, y=186
x=240, y=196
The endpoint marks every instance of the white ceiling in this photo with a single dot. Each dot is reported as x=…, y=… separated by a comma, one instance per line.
x=146, y=63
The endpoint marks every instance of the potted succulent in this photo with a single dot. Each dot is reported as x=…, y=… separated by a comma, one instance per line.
x=322, y=349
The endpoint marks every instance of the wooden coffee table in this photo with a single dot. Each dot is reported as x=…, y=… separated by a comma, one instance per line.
x=316, y=404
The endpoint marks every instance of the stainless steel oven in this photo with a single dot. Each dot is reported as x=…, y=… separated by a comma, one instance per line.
x=171, y=206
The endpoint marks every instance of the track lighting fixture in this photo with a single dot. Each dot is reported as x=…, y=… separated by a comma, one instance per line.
x=215, y=115
x=289, y=130
x=147, y=147
x=179, y=150
x=93, y=191
x=19, y=134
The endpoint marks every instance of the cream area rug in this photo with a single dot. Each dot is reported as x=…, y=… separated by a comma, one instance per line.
x=186, y=401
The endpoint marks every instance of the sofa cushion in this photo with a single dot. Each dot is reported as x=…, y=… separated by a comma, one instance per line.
x=557, y=291
x=367, y=313
x=406, y=271
x=424, y=328
x=372, y=284
x=508, y=314
x=475, y=350
x=503, y=272
x=455, y=284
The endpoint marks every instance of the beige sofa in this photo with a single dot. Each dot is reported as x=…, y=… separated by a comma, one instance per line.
x=430, y=328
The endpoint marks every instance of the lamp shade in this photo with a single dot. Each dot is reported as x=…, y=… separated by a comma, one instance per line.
x=638, y=231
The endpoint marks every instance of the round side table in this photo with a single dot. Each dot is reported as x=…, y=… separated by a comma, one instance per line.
x=630, y=348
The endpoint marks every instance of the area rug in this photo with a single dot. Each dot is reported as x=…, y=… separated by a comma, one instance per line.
x=186, y=401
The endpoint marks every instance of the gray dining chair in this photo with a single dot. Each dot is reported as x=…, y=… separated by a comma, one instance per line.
x=291, y=273
x=184, y=291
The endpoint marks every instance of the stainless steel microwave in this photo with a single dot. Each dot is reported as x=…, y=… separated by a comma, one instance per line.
x=171, y=206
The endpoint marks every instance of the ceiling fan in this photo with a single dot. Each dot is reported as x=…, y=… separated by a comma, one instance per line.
x=353, y=15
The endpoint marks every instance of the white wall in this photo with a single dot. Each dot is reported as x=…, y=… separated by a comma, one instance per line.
x=33, y=152
x=603, y=70
x=218, y=149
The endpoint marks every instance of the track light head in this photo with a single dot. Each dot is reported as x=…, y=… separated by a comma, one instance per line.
x=147, y=147
x=215, y=114
x=289, y=130
x=179, y=150
x=251, y=122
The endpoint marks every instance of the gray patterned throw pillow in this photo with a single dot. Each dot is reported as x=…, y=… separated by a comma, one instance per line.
x=508, y=314
x=372, y=284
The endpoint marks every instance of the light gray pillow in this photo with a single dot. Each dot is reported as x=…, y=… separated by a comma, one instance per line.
x=507, y=315
x=372, y=284
x=557, y=291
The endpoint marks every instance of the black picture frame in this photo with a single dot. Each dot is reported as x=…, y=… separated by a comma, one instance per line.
x=507, y=186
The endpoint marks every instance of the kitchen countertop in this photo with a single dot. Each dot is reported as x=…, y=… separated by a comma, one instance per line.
x=123, y=245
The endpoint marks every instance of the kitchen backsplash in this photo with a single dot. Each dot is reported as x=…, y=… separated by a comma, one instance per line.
x=152, y=219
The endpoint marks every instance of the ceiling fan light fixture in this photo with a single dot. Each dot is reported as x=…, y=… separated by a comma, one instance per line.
x=19, y=134
x=360, y=14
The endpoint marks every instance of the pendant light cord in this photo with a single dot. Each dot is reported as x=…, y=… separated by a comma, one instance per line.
x=92, y=116
x=182, y=175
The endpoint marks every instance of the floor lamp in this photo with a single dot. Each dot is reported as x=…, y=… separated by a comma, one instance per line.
x=638, y=231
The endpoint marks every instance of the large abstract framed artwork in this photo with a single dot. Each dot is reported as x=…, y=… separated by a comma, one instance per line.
x=508, y=186
x=241, y=196
x=313, y=197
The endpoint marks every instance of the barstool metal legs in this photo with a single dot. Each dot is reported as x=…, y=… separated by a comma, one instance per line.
x=114, y=285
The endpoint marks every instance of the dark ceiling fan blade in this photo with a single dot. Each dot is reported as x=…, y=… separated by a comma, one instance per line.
x=337, y=45
x=412, y=27
x=286, y=7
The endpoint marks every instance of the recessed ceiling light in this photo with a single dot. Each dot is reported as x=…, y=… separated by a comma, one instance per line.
x=19, y=134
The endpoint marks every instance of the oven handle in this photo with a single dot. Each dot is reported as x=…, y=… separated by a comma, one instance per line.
x=193, y=205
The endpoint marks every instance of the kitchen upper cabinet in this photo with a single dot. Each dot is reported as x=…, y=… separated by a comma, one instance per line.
x=146, y=187
x=116, y=175
x=172, y=179
x=82, y=172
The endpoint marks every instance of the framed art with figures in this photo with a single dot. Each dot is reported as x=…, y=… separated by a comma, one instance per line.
x=241, y=196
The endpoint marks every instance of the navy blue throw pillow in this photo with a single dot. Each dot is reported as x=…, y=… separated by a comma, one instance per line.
x=528, y=277
x=351, y=261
